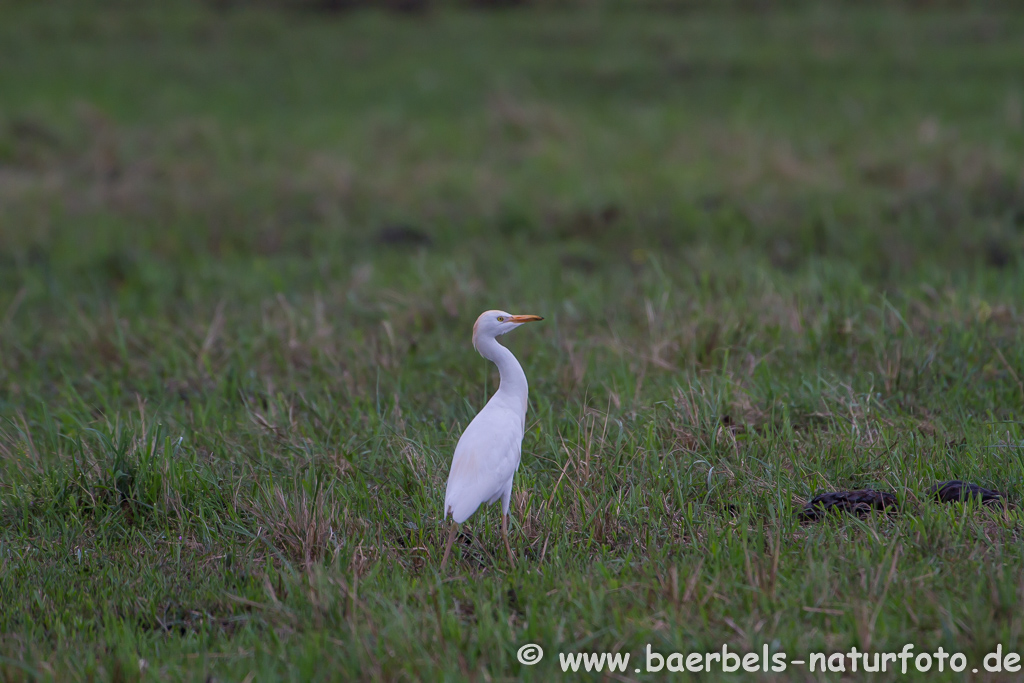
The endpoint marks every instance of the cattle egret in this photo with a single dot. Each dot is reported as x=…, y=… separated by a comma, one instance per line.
x=487, y=455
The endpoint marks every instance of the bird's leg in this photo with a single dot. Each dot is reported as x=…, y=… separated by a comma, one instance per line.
x=448, y=547
x=504, y=534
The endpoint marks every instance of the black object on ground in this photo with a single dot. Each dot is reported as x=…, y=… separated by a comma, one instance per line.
x=859, y=502
x=400, y=235
x=957, y=491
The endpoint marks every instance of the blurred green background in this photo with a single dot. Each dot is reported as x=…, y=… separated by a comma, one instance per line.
x=778, y=247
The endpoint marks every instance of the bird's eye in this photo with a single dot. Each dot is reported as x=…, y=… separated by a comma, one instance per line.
x=501, y=318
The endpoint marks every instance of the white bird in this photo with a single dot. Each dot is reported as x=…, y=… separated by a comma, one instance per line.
x=487, y=455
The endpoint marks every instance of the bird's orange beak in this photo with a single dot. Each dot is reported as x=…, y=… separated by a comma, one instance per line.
x=524, y=318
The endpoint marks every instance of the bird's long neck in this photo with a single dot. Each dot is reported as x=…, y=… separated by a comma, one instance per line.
x=512, y=388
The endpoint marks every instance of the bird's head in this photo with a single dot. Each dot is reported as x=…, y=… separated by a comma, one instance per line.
x=493, y=324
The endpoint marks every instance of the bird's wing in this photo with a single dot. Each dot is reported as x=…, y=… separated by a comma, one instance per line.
x=486, y=458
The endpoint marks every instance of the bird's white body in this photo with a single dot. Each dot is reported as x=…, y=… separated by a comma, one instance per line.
x=487, y=457
x=488, y=453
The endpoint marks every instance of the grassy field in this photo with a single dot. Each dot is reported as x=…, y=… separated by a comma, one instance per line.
x=241, y=253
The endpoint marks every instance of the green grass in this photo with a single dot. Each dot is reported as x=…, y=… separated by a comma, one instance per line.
x=777, y=254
